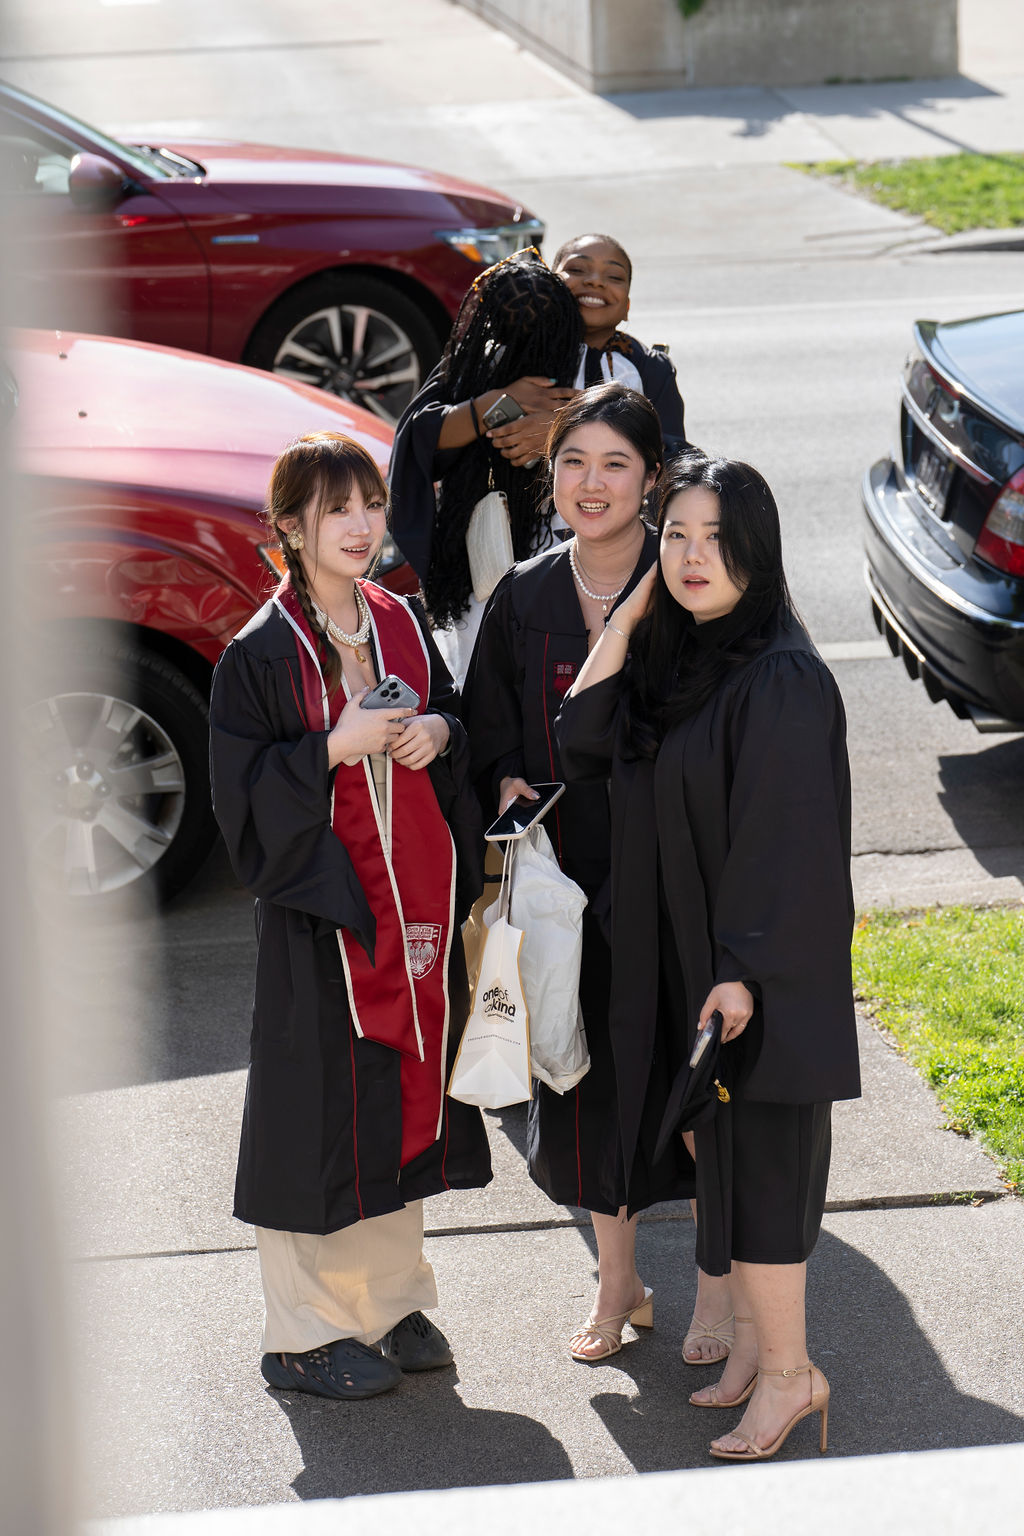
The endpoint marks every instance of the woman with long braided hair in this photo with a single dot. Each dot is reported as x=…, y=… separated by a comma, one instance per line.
x=518, y=333
x=359, y=835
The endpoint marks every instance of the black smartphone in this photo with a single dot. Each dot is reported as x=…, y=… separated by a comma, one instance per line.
x=504, y=410
x=523, y=814
x=391, y=693
x=705, y=1037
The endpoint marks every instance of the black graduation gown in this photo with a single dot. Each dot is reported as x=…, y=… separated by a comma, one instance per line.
x=417, y=462
x=321, y=1130
x=746, y=815
x=532, y=644
x=658, y=379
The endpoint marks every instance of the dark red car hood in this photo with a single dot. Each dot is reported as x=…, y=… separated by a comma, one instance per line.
x=274, y=178
x=120, y=412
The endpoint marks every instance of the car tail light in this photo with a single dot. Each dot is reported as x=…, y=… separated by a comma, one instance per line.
x=1001, y=540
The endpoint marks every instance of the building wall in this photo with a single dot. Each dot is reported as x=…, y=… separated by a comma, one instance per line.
x=629, y=45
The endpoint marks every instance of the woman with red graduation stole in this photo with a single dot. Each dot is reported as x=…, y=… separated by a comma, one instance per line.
x=357, y=832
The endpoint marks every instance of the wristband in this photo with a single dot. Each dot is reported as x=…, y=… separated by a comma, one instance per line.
x=476, y=419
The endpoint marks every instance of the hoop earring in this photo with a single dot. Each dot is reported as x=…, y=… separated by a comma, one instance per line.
x=295, y=539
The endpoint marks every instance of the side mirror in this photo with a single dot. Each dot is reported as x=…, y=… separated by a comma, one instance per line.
x=96, y=185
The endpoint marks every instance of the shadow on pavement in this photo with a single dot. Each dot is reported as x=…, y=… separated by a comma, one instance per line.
x=146, y=994
x=890, y=1390
x=843, y=98
x=980, y=794
x=353, y=1448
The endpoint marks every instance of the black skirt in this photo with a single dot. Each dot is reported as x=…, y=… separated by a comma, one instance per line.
x=762, y=1169
x=762, y=1172
x=574, y=1152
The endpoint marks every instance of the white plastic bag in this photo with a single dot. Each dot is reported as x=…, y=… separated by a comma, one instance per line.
x=548, y=907
x=492, y=1067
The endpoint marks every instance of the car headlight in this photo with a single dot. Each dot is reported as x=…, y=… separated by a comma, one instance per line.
x=484, y=247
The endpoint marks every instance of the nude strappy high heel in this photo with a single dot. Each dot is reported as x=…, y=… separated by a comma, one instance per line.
x=608, y=1330
x=720, y=1402
x=817, y=1404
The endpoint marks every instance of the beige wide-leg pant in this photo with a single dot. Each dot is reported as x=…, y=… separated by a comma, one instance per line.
x=352, y=1284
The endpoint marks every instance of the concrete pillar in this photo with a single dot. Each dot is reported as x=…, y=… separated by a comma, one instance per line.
x=636, y=45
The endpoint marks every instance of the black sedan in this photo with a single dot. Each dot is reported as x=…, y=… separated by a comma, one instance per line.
x=945, y=520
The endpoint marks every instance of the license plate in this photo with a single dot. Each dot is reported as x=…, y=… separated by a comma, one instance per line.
x=933, y=472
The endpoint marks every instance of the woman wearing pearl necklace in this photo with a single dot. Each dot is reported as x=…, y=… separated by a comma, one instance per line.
x=543, y=619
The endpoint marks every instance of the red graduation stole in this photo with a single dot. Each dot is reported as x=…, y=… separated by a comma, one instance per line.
x=405, y=862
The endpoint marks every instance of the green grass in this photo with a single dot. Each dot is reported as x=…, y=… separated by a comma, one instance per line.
x=953, y=192
x=949, y=985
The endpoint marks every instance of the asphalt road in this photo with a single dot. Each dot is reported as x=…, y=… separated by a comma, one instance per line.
x=787, y=305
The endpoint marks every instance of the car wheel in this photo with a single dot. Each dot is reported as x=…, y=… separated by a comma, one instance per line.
x=118, y=754
x=356, y=337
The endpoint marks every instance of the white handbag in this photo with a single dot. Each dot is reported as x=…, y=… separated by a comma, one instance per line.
x=548, y=907
x=489, y=544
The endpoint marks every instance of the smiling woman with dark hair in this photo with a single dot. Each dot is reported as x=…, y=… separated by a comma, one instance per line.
x=545, y=615
x=725, y=737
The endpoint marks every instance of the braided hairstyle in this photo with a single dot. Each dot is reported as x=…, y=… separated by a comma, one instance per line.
x=313, y=473
x=517, y=319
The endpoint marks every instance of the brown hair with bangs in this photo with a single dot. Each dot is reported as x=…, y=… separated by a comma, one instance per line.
x=313, y=473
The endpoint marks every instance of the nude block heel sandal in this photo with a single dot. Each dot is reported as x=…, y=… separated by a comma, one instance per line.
x=723, y=1333
x=608, y=1330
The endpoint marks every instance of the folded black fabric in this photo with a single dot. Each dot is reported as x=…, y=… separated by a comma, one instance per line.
x=694, y=1094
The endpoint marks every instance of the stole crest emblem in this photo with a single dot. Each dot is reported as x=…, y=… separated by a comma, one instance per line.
x=423, y=941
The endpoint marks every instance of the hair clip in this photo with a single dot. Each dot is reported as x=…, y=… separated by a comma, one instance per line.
x=527, y=250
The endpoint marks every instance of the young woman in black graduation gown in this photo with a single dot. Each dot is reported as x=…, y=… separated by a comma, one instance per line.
x=598, y=273
x=543, y=618
x=518, y=334
x=359, y=835
x=725, y=737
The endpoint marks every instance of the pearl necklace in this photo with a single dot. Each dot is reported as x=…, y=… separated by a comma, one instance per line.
x=361, y=635
x=604, y=598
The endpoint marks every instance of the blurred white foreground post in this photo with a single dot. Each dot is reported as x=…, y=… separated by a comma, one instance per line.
x=37, y=1443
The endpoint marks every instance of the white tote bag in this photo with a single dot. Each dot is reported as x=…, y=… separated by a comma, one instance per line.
x=492, y=1068
x=548, y=907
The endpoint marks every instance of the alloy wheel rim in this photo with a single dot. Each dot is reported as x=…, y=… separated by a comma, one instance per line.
x=355, y=352
x=109, y=792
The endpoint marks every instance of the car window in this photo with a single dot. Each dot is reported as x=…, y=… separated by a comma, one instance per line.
x=91, y=138
x=31, y=161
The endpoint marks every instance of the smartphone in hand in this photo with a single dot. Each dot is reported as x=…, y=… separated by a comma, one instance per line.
x=391, y=693
x=523, y=814
x=504, y=410
x=704, y=1039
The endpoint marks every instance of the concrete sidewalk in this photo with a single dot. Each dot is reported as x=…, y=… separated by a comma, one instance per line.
x=915, y=1287
x=920, y=1255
